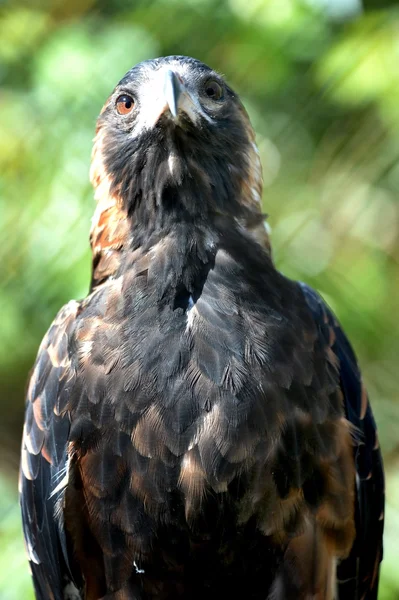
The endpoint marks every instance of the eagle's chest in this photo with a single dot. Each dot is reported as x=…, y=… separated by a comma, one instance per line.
x=178, y=393
x=199, y=408
x=174, y=375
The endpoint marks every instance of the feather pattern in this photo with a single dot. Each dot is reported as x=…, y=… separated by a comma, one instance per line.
x=197, y=424
x=358, y=575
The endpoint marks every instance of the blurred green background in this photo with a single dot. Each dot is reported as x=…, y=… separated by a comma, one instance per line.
x=321, y=82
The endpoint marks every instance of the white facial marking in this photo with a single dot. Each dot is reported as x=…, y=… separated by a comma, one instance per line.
x=152, y=101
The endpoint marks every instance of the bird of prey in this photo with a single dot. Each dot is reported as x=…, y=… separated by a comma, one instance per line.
x=197, y=426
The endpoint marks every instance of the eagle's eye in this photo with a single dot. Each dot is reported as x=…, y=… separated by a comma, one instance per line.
x=124, y=104
x=213, y=90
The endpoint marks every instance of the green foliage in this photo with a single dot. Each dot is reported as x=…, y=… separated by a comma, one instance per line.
x=15, y=578
x=323, y=97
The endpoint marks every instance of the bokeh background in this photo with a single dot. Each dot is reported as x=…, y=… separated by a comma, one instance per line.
x=320, y=79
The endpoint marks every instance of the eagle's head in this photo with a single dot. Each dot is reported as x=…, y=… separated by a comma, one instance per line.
x=174, y=142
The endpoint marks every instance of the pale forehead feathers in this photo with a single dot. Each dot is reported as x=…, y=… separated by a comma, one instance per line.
x=150, y=77
x=184, y=66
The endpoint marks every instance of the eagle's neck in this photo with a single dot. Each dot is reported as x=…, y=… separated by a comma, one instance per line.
x=131, y=212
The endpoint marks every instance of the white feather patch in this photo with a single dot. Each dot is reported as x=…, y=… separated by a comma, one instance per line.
x=64, y=481
x=139, y=571
x=71, y=592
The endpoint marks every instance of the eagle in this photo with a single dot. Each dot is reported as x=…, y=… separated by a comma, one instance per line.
x=197, y=426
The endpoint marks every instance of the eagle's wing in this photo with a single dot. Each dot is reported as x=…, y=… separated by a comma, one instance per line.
x=358, y=574
x=44, y=461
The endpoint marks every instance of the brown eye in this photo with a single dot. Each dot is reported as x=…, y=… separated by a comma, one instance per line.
x=124, y=104
x=213, y=90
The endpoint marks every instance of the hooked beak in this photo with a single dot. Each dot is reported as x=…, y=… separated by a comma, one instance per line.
x=172, y=92
x=168, y=96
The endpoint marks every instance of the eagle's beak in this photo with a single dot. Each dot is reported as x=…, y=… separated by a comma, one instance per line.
x=172, y=91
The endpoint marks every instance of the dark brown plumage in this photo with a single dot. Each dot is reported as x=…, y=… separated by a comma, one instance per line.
x=197, y=425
